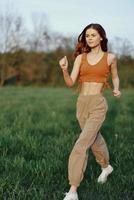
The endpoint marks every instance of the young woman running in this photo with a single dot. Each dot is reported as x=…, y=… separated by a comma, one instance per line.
x=92, y=66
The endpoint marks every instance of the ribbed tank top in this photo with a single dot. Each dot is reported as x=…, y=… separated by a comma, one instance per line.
x=98, y=72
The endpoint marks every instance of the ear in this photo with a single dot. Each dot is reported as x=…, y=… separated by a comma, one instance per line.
x=101, y=39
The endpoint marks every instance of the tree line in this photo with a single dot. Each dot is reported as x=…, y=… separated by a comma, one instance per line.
x=31, y=57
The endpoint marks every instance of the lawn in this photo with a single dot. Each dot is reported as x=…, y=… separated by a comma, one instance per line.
x=38, y=128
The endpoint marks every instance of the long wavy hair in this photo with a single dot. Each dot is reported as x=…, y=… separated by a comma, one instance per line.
x=82, y=46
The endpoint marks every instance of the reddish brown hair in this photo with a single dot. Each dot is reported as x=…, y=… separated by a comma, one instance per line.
x=82, y=46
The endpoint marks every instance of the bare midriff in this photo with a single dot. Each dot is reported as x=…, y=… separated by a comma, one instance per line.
x=90, y=88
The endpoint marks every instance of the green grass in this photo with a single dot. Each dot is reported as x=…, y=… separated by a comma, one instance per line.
x=38, y=129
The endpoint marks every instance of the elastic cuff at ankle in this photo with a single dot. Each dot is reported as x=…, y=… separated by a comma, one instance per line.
x=73, y=183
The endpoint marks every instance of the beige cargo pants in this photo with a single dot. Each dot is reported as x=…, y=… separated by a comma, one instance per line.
x=90, y=112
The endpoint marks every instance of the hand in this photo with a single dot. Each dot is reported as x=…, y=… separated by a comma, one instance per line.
x=116, y=93
x=63, y=63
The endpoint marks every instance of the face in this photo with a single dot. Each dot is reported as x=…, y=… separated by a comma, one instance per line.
x=93, y=38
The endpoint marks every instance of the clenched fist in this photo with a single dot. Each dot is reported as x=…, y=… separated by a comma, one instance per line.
x=63, y=63
x=116, y=93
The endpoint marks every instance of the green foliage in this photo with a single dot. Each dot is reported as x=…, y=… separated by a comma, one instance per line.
x=126, y=71
x=43, y=68
x=38, y=129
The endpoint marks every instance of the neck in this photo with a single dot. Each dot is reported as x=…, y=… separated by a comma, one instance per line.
x=97, y=49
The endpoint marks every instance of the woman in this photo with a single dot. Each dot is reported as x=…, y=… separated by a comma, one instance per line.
x=92, y=67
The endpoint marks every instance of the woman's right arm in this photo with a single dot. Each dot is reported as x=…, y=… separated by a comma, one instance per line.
x=70, y=79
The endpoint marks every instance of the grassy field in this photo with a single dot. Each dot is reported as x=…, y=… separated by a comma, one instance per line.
x=38, y=129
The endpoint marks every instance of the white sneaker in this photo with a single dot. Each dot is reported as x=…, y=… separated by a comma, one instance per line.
x=71, y=196
x=104, y=174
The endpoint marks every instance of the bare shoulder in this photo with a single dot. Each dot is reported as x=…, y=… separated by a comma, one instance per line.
x=79, y=56
x=78, y=59
x=112, y=58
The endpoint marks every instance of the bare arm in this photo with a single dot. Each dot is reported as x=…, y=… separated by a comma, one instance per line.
x=70, y=79
x=115, y=77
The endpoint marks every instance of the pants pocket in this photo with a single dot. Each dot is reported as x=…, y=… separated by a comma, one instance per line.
x=100, y=105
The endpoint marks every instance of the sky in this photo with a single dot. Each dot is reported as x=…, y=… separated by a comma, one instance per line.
x=69, y=17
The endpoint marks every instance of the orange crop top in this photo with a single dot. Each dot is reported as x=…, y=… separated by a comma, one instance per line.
x=94, y=73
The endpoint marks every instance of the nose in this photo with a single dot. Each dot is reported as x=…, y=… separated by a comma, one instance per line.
x=90, y=40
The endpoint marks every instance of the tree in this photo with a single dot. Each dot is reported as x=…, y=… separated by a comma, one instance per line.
x=40, y=37
x=122, y=47
x=12, y=38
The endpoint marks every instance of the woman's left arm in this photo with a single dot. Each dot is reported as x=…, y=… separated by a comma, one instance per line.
x=115, y=77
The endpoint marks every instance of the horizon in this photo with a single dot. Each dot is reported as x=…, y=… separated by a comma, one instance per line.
x=111, y=17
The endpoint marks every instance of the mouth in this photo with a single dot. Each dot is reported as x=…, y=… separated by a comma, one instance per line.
x=90, y=43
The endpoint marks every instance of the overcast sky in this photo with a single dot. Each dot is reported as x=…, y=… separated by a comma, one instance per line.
x=71, y=16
